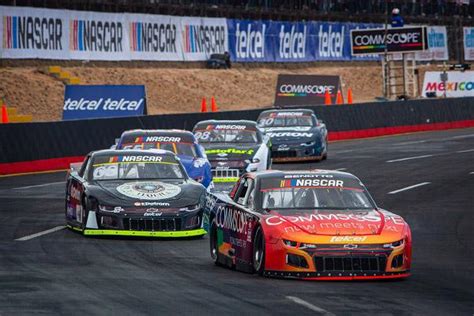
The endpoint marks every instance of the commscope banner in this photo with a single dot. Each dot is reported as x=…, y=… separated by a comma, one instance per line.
x=458, y=84
x=100, y=101
x=305, y=89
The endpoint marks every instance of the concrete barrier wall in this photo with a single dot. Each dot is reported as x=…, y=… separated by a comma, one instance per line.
x=29, y=147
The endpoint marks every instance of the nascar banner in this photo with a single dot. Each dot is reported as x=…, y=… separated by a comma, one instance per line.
x=468, y=43
x=155, y=37
x=34, y=33
x=203, y=37
x=305, y=89
x=100, y=101
x=458, y=84
x=98, y=36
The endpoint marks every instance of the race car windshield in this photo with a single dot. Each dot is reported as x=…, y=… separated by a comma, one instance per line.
x=181, y=149
x=316, y=197
x=227, y=136
x=286, y=121
x=135, y=167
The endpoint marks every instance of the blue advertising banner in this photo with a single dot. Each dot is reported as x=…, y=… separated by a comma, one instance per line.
x=272, y=41
x=100, y=101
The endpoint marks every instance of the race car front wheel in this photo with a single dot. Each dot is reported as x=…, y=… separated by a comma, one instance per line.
x=259, y=251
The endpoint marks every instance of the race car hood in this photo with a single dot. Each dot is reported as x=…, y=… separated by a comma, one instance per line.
x=336, y=223
x=226, y=152
x=174, y=194
x=291, y=134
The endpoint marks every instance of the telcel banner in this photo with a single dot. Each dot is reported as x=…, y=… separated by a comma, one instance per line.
x=458, y=84
x=305, y=89
x=96, y=101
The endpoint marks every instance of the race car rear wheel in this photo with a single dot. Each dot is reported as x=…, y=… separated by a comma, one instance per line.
x=259, y=251
x=214, y=247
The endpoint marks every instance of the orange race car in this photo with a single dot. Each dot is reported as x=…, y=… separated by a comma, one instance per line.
x=317, y=224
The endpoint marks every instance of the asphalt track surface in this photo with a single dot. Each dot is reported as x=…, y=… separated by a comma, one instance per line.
x=63, y=272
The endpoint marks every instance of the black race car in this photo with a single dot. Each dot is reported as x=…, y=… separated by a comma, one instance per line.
x=233, y=148
x=296, y=134
x=134, y=193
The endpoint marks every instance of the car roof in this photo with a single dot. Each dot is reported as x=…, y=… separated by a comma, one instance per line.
x=290, y=110
x=159, y=132
x=228, y=122
x=268, y=174
x=121, y=152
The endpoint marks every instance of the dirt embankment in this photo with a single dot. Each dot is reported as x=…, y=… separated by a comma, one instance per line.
x=171, y=90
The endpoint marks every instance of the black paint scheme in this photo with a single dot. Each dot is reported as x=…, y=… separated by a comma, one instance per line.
x=296, y=134
x=96, y=205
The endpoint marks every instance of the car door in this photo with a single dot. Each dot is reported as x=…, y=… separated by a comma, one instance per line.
x=75, y=212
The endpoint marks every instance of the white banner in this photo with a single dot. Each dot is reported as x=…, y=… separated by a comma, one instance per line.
x=437, y=45
x=155, y=37
x=203, y=37
x=62, y=34
x=34, y=33
x=468, y=43
x=98, y=36
x=458, y=84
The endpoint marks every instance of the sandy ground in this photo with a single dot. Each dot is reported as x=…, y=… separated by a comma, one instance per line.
x=171, y=90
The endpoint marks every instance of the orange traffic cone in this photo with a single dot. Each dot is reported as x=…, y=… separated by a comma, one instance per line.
x=213, y=105
x=349, y=96
x=327, y=98
x=203, y=105
x=339, y=98
x=4, y=114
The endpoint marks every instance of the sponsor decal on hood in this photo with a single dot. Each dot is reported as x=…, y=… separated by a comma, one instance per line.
x=149, y=190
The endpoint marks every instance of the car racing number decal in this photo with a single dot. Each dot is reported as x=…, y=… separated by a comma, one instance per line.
x=149, y=190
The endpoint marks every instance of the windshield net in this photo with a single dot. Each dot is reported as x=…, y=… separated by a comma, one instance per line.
x=226, y=134
x=135, y=167
x=314, y=193
x=285, y=119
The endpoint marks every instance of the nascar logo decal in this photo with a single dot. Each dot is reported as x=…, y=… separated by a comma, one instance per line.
x=150, y=190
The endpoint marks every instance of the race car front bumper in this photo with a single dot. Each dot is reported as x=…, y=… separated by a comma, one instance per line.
x=341, y=276
x=295, y=153
x=169, y=234
x=139, y=233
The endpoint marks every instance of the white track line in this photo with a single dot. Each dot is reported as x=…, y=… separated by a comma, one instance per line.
x=38, y=185
x=463, y=136
x=310, y=306
x=412, y=142
x=44, y=232
x=409, y=188
x=409, y=158
x=465, y=151
x=340, y=169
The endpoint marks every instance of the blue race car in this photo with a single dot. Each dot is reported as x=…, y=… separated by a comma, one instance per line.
x=180, y=142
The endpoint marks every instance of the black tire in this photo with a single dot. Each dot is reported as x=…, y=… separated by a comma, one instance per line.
x=258, y=253
x=325, y=156
x=214, y=247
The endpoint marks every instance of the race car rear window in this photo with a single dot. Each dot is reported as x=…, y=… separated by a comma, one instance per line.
x=135, y=167
x=184, y=149
x=314, y=193
x=226, y=133
x=285, y=119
